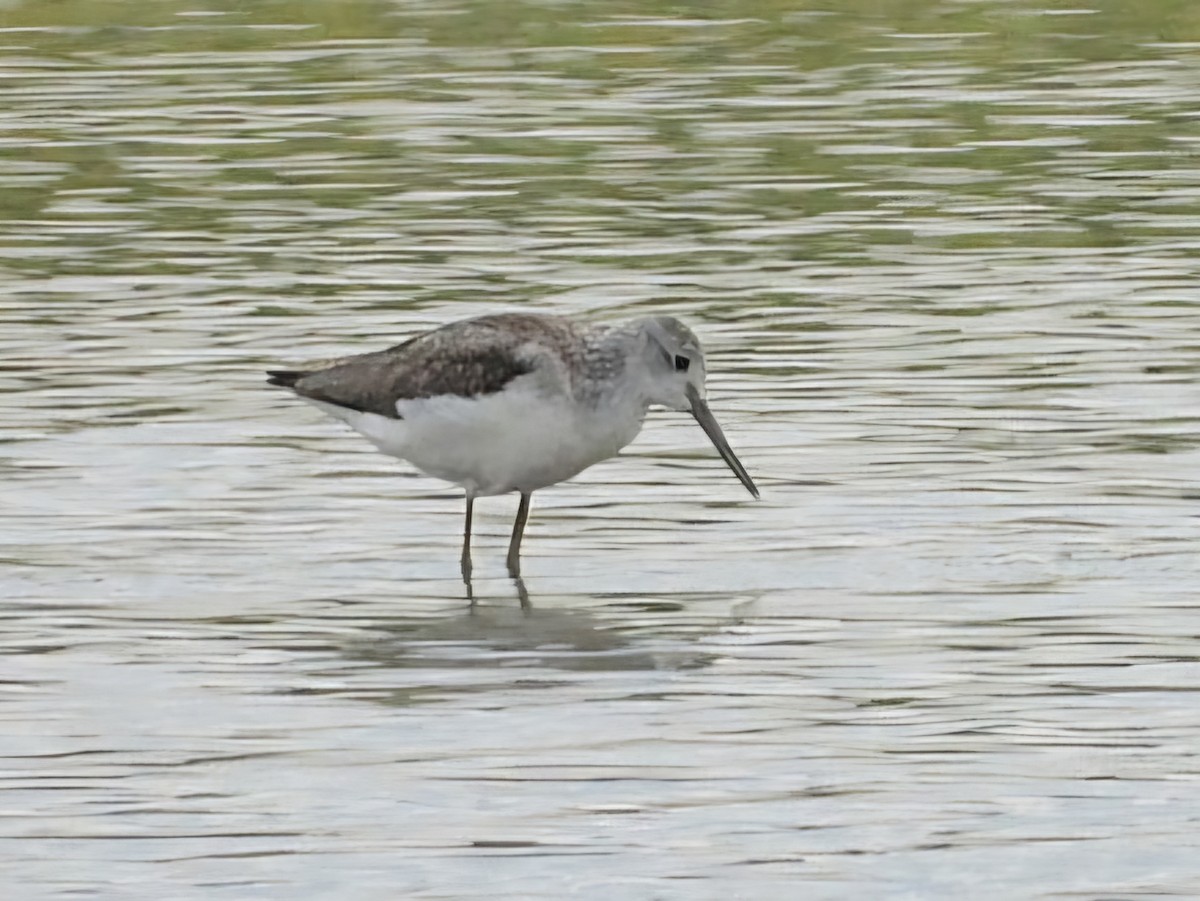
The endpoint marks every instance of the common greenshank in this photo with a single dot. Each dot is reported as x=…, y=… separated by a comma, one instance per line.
x=515, y=401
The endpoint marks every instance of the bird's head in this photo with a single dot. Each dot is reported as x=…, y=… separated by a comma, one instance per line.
x=676, y=371
x=675, y=362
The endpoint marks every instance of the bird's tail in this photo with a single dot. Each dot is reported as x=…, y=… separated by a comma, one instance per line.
x=285, y=378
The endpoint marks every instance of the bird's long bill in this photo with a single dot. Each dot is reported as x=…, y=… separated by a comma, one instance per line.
x=709, y=423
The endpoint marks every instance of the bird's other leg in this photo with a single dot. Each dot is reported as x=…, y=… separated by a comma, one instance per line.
x=514, y=546
x=466, y=554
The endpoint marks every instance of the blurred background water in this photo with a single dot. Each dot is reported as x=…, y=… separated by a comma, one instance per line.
x=944, y=254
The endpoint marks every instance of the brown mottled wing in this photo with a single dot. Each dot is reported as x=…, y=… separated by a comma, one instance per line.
x=467, y=359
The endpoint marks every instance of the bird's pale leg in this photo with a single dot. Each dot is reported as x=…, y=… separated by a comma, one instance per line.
x=514, y=546
x=522, y=594
x=466, y=554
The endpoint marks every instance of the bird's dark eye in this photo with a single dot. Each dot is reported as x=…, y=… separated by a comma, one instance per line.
x=682, y=363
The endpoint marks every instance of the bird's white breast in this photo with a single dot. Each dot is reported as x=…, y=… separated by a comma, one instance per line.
x=517, y=439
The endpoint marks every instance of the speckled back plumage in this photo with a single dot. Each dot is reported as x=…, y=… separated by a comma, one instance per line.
x=471, y=358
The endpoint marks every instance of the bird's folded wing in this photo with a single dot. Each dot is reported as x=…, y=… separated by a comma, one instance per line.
x=468, y=359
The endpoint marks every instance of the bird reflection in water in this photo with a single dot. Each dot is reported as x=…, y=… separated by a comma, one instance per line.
x=500, y=635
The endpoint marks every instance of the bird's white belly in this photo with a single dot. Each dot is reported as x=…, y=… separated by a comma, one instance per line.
x=514, y=440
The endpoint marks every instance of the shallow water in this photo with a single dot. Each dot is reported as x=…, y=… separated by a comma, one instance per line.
x=944, y=257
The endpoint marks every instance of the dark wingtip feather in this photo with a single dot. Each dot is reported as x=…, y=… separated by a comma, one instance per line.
x=285, y=378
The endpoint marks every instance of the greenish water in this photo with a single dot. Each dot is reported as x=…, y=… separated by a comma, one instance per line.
x=944, y=257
